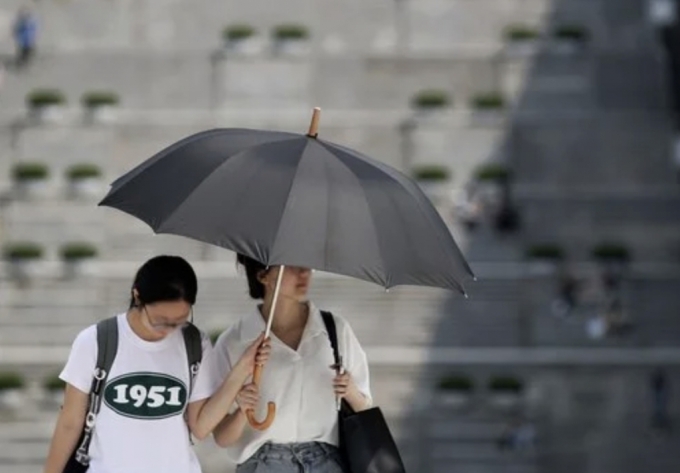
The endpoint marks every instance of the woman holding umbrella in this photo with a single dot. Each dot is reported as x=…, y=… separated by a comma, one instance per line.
x=300, y=377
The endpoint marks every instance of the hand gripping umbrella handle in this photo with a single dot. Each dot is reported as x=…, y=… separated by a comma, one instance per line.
x=271, y=407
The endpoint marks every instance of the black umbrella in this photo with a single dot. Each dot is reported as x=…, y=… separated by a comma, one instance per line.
x=293, y=199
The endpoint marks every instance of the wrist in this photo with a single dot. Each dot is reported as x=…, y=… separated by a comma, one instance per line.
x=356, y=399
x=241, y=372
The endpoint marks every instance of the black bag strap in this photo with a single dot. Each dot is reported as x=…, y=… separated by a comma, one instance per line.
x=329, y=322
x=194, y=346
x=107, y=347
x=107, y=343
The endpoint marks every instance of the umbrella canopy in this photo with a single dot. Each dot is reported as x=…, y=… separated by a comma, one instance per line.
x=293, y=199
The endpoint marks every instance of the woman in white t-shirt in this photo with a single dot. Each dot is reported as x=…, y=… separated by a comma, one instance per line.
x=147, y=408
x=299, y=377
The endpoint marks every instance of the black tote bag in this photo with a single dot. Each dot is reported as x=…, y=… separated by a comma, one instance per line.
x=366, y=443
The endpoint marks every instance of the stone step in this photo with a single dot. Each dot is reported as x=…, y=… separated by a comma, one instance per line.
x=483, y=452
x=58, y=335
x=448, y=466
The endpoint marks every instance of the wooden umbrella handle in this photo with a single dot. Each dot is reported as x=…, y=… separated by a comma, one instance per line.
x=314, y=125
x=271, y=407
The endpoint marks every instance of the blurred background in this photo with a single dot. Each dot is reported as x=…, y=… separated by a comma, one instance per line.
x=543, y=130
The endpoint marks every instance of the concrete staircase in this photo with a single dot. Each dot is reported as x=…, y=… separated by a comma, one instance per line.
x=586, y=135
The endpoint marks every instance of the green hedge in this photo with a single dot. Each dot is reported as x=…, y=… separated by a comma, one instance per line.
x=611, y=251
x=505, y=384
x=492, y=172
x=11, y=380
x=290, y=31
x=97, y=98
x=237, y=32
x=44, y=97
x=30, y=171
x=571, y=32
x=490, y=101
x=520, y=33
x=431, y=98
x=431, y=173
x=456, y=383
x=83, y=171
x=54, y=383
x=78, y=250
x=23, y=250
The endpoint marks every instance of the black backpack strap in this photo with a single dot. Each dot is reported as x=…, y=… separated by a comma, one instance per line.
x=107, y=343
x=194, y=347
x=107, y=347
x=192, y=342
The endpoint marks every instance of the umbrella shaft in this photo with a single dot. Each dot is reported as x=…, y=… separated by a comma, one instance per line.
x=279, y=277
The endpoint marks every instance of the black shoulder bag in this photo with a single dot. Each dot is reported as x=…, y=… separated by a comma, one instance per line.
x=366, y=443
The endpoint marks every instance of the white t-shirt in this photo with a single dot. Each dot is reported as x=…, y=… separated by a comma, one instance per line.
x=141, y=426
x=299, y=382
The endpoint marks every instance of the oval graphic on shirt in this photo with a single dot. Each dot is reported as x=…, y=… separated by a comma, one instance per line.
x=146, y=396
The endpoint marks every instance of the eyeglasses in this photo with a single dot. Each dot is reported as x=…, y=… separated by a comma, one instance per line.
x=169, y=325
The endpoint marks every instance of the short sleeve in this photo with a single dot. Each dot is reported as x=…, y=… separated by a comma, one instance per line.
x=82, y=360
x=222, y=361
x=357, y=363
x=207, y=379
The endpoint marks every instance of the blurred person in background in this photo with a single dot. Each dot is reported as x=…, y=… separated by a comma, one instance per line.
x=148, y=412
x=661, y=395
x=25, y=35
x=300, y=377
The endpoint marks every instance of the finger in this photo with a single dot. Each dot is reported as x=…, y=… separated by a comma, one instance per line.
x=251, y=401
x=264, y=352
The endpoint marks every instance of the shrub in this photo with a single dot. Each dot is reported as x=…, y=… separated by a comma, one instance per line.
x=99, y=98
x=23, y=251
x=431, y=99
x=30, y=171
x=237, y=32
x=78, y=250
x=432, y=172
x=45, y=97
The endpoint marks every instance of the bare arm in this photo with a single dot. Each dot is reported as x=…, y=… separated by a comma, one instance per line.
x=207, y=414
x=358, y=401
x=204, y=416
x=230, y=429
x=67, y=430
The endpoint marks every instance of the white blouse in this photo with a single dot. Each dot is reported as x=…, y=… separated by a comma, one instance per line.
x=299, y=382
